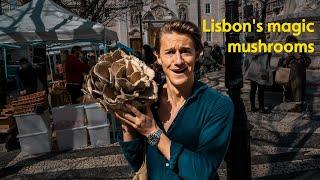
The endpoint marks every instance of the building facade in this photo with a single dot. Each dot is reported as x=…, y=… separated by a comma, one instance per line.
x=156, y=12
x=153, y=15
x=212, y=9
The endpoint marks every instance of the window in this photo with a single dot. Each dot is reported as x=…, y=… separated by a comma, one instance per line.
x=134, y=19
x=208, y=8
x=208, y=36
x=183, y=13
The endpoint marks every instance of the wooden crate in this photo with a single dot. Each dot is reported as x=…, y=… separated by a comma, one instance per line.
x=6, y=122
x=26, y=104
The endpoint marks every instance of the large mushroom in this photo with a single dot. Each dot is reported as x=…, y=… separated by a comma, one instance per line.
x=118, y=78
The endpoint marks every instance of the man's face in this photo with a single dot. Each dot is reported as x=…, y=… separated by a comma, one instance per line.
x=177, y=57
x=78, y=53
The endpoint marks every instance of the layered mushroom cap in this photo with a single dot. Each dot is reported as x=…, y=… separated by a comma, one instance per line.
x=119, y=78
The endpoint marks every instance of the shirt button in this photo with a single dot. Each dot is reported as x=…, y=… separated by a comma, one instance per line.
x=167, y=164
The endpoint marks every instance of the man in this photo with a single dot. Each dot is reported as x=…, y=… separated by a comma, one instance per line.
x=217, y=56
x=188, y=129
x=208, y=61
x=74, y=69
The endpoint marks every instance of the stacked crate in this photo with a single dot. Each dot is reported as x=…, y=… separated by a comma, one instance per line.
x=7, y=129
x=69, y=125
x=27, y=104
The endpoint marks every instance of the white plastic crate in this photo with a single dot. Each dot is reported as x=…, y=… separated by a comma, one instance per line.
x=32, y=123
x=75, y=138
x=95, y=115
x=68, y=117
x=99, y=135
x=35, y=143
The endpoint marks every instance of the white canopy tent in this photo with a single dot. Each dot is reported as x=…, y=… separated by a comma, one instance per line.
x=45, y=21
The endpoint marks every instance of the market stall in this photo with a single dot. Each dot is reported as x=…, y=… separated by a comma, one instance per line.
x=43, y=22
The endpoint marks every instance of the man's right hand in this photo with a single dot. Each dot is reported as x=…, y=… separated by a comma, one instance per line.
x=129, y=133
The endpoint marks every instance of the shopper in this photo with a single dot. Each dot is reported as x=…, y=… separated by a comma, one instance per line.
x=257, y=70
x=298, y=63
x=75, y=69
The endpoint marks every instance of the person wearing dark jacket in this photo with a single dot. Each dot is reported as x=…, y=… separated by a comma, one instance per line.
x=28, y=77
x=148, y=56
x=298, y=63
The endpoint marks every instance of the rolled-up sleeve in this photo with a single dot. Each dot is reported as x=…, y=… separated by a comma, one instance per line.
x=133, y=152
x=213, y=143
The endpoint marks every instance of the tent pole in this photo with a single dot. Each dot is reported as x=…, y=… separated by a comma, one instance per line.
x=5, y=61
x=51, y=74
x=28, y=53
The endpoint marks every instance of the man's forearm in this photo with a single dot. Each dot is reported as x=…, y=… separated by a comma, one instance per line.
x=129, y=134
x=164, y=146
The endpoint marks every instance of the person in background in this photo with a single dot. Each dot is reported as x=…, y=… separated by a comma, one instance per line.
x=158, y=72
x=92, y=57
x=28, y=77
x=218, y=56
x=138, y=54
x=60, y=69
x=208, y=61
x=189, y=128
x=257, y=67
x=298, y=63
x=75, y=69
x=148, y=56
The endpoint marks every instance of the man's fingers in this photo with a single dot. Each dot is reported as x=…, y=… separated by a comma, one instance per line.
x=149, y=112
x=125, y=120
x=126, y=116
x=134, y=110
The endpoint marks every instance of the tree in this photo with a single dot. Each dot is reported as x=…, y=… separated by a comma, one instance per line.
x=103, y=11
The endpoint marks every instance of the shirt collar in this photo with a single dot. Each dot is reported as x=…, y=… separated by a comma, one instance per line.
x=196, y=89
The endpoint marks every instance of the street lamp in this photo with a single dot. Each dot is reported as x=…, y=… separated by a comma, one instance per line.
x=139, y=5
x=238, y=158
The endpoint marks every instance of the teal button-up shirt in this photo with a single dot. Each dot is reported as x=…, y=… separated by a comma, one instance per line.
x=200, y=135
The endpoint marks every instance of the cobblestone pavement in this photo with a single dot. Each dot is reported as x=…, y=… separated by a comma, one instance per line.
x=283, y=146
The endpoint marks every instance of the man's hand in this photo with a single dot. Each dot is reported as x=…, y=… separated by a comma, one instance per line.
x=142, y=123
